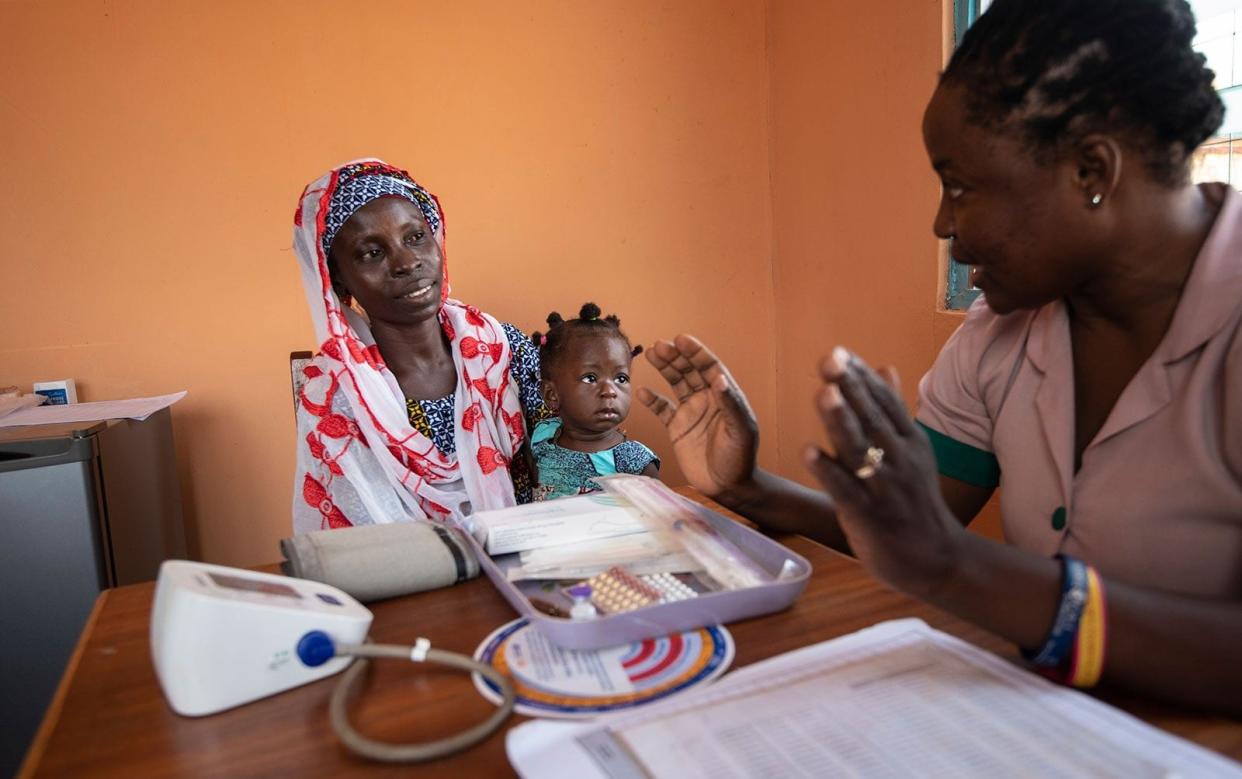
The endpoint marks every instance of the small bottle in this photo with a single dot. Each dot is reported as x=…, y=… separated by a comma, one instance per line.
x=582, y=608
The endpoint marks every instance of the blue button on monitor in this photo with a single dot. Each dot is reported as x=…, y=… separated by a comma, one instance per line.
x=315, y=648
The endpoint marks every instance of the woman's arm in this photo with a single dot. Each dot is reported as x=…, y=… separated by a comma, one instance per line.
x=1178, y=648
x=524, y=368
x=715, y=437
x=1172, y=647
x=905, y=524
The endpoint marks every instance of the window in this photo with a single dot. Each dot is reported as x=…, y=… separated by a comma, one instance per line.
x=1218, y=22
x=958, y=292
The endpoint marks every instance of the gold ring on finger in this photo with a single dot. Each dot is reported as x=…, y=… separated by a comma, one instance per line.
x=872, y=460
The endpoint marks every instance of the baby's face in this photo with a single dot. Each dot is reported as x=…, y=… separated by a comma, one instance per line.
x=592, y=383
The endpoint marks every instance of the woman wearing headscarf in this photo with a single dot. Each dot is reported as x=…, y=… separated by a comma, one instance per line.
x=1097, y=381
x=415, y=405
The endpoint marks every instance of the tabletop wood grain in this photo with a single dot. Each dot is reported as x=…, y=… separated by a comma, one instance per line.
x=109, y=717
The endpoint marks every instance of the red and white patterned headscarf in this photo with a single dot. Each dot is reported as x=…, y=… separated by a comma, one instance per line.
x=359, y=461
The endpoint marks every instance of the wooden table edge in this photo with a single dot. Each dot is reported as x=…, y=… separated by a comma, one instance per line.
x=34, y=755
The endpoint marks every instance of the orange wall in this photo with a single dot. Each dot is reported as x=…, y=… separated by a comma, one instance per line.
x=153, y=154
x=854, y=259
x=853, y=195
x=685, y=164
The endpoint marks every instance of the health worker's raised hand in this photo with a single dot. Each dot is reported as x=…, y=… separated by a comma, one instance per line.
x=882, y=478
x=714, y=432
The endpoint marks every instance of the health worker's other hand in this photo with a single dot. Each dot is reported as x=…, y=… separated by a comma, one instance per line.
x=714, y=432
x=883, y=478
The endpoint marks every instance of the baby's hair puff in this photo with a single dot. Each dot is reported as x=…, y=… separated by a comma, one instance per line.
x=561, y=331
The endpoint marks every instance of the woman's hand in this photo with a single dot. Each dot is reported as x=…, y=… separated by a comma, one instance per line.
x=714, y=432
x=883, y=479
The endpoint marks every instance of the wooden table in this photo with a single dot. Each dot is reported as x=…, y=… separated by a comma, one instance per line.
x=109, y=717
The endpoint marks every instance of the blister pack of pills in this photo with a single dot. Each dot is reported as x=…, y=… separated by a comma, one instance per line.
x=617, y=590
x=670, y=587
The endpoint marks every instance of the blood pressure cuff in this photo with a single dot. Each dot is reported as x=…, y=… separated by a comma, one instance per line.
x=372, y=562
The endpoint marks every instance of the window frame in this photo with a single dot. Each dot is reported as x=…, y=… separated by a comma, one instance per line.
x=959, y=295
x=1229, y=135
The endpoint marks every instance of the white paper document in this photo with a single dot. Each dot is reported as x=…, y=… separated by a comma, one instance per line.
x=640, y=553
x=11, y=403
x=555, y=522
x=895, y=700
x=135, y=408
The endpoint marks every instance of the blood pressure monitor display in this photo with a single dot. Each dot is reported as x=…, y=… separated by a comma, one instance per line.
x=253, y=585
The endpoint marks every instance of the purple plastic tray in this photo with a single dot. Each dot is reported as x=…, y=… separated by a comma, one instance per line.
x=664, y=618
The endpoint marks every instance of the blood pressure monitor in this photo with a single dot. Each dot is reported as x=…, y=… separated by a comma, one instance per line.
x=221, y=637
